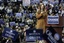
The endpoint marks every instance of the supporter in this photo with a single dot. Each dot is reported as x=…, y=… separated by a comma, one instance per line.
x=9, y=10
x=19, y=1
x=55, y=9
x=61, y=10
x=21, y=9
x=23, y=17
x=50, y=10
x=15, y=9
x=2, y=6
x=7, y=24
x=34, y=7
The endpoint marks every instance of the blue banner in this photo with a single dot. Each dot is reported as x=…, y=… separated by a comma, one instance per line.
x=34, y=34
x=12, y=23
x=21, y=24
x=53, y=20
x=9, y=33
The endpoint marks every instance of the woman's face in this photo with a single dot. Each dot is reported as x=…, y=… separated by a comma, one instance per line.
x=42, y=6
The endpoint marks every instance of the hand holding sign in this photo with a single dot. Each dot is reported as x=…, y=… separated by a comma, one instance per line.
x=9, y=33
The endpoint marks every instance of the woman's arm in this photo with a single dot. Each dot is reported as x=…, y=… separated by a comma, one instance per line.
x=44, y=13
x=38, y=15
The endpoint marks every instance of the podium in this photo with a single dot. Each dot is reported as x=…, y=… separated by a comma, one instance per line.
x=57, y=27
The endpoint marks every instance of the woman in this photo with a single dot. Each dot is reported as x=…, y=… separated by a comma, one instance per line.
x=41, y=15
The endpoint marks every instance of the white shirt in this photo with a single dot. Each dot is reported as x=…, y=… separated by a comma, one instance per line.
x=9, y=10
x=7, y=24
x=29, y=21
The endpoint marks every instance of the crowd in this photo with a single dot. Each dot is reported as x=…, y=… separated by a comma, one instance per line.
x=20, y=18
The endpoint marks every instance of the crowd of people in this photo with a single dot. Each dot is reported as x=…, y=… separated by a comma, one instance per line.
x=23, y=17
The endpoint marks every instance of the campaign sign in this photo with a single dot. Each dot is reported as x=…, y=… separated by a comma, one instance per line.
x=21, y=24
x=34, y=1
x=30, y=38
x=12, y=23
x=30, y=15
x=2, y=21
x=9, y=33
x=26, y=2
x=53, y=20
x=34, y=34
x=19, y=15
x=51, y=36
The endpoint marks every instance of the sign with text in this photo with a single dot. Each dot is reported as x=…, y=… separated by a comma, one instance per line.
x=12, y=23
x=34, y=34
x=53, y=20
x=51, y=36
x=9, y=33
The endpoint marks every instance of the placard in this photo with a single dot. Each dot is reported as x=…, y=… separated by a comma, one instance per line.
x=26, y=2
x=34, y=1
x=34, y=34
x=13, y=0
x=18, y=15
x=12, y=23
x=21, y=24
x=9, y=33
x=30, y=39
x=53, y=20
x=30, y=15
x=51, y=36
